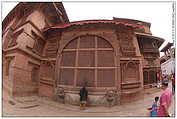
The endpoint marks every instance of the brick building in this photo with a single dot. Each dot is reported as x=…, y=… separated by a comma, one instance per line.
x=46, y=55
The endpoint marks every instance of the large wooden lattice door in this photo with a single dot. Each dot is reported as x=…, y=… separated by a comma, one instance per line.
x=150, y=77
x=87, y=59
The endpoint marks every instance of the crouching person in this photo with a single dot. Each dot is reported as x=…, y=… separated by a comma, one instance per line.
x=83, y=97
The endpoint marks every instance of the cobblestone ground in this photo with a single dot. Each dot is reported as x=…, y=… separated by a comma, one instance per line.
x=35, y=106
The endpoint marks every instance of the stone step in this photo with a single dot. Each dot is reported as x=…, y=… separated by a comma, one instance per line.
x=26, y=99
x=24, y=102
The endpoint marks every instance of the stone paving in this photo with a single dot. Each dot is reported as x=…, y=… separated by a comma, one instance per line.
x=40, y=106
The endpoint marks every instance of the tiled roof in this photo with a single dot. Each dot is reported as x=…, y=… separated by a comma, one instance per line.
x=92, y=22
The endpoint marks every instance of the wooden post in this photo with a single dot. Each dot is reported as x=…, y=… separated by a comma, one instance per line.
x=76, y=62
x=96, y=60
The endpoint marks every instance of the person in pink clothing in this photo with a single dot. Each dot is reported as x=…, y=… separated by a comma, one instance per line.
x=173, y=83
x=165, y=101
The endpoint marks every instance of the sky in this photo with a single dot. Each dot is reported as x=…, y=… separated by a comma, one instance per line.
x=159, y=14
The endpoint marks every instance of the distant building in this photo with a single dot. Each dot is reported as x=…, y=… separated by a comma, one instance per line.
x=168, y=60
x=44, y=54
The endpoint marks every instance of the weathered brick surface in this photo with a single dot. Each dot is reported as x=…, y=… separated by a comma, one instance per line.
x=45, y=90
x=22, y=84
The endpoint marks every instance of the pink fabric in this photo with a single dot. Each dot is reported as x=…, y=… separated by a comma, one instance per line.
x=165, y=99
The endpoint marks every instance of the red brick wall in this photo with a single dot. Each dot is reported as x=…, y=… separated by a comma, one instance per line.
x=46, y=90
x=22, y=82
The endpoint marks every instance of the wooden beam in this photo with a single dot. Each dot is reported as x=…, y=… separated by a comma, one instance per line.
x=76, y=62
x=68, y=67
x=60, y=14
x=96, y=60
x=90, y=49
x=58, y=11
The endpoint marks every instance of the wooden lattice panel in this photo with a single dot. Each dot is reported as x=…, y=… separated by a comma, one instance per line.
x=105, y=59
x=87, y=42
x=103, y=43
x=152, y=77
x=106, y=78
x=68, y=59
x=85, y=76
x=66, y=76
x=86, y=58
x=145, y=75
x=72, y=45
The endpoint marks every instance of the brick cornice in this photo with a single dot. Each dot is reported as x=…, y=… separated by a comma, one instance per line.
x=26, y=51
x=33, y=25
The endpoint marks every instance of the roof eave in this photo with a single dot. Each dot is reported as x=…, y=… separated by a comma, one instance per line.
x=79, y=23
x=161, y=40
x=166, y=47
